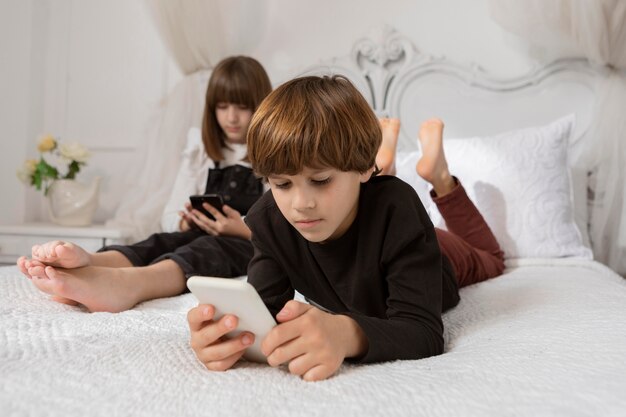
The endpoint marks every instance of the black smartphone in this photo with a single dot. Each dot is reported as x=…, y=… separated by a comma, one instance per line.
x=214, y=200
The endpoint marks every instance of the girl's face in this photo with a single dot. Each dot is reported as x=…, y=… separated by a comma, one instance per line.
x=234, y=120
x=320, y=204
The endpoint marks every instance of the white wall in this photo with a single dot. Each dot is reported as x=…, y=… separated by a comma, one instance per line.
x=15, y=80
x=93, y=70
x=302, y=32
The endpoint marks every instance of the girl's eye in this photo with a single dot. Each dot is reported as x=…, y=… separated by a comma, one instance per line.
x=243, y=107
x=321, y=182
x=221, y=105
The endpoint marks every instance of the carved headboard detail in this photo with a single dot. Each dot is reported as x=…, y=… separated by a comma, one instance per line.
x=399, y=81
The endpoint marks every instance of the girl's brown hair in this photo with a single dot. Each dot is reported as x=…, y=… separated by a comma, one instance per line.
x=240, y=80
x=313, y=122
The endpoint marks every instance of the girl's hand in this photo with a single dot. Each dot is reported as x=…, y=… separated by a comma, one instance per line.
x=186, y=222
x=228, y=224
x=207, y=338
x=313, y=342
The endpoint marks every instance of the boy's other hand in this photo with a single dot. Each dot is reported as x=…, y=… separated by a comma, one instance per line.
x=208, y=342
x=313, y=342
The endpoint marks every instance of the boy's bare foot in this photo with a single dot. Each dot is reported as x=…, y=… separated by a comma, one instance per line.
x=61, y=254
x=386, y=156
x=433, y=166
x=97, y=288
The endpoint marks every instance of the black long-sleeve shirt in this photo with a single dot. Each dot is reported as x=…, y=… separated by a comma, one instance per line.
x=386, y=271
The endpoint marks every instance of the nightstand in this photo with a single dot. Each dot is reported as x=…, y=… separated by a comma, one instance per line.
x=17, y=240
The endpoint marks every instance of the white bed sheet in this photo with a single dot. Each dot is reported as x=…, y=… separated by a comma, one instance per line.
x=547, y=338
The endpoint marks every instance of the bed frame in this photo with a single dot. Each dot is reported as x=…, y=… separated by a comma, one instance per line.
x=398, y=81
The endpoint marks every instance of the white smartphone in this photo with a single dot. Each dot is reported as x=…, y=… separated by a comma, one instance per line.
x=231, y=296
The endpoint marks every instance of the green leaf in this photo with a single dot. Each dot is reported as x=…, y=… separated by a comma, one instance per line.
x=46, y=170
x=44, y=175
x=36, y=180
x=74, y=168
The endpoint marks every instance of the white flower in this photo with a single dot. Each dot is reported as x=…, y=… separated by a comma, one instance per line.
x=74, y=152
x=25, y=172
x=46, y=143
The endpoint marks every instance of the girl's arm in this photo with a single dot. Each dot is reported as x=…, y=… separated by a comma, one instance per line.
x=191, y=179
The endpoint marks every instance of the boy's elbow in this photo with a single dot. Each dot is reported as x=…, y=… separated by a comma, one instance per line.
x=433, y=343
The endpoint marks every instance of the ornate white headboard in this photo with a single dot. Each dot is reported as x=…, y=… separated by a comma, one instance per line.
x=398, y=81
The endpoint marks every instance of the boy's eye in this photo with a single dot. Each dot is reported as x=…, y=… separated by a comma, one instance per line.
x=321, y=182
x=282, y=185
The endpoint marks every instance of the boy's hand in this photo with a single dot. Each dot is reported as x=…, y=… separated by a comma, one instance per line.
x=207, y=338
x=313, y=342
x=228, y=224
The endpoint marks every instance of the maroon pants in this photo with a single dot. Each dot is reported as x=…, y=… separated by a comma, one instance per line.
x=468, y=243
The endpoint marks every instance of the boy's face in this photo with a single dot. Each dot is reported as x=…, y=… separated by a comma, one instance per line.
x=320, y=203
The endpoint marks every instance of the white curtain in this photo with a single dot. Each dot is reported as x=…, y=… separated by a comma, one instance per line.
x=597, y=28
x=198, y=34
x=158, y=157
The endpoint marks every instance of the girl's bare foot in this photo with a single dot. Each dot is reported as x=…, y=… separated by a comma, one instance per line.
x=432, y=166
x=61, y=254
x=21, y=265
x=63, y=300
x=386, y=156
x=97, y=288
x=35, y=271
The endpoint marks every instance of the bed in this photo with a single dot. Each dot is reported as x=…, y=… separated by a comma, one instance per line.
x=548, y=337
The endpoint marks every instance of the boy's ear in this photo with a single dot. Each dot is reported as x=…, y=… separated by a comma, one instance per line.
x=365, y=176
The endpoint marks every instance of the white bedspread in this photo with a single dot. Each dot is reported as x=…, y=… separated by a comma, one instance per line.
x=547, y=338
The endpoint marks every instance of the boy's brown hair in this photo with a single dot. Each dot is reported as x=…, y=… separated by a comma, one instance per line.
x=313, y=122
x=240, y=80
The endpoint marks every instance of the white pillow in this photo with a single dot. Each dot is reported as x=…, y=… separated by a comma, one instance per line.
x=520, y=183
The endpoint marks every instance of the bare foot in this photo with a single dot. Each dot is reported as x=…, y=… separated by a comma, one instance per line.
x=386, y=156
x=21, y=265
x=95, y=287
x=35, y=271
x=61, y=254
x=433, y=166
x=63, y=300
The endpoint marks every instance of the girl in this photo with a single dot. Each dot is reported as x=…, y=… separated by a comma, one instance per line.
x=214, y=161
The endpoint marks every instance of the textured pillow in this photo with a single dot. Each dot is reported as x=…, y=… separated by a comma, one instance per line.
x=520, y=183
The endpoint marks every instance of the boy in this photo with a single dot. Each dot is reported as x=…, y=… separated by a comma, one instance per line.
x=360, y=248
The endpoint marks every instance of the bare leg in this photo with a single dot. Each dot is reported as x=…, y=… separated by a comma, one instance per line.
x=105, y=281
x=386, y=156
x=432, y=166
x=68, y=255
x=112, y=289
x=469, y=244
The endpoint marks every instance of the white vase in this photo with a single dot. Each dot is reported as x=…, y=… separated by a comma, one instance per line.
x=71, y=203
